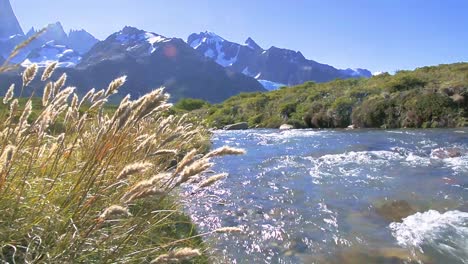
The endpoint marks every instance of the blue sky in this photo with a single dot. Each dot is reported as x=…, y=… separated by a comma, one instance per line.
x=380, y=35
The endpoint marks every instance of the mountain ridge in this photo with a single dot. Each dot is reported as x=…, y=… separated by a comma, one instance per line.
x=278, y=65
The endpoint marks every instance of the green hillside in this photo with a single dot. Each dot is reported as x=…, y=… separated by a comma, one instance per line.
x=426, y=97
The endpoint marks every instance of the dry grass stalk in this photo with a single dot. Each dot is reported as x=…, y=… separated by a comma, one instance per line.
x=134, y=168
x=177, y=256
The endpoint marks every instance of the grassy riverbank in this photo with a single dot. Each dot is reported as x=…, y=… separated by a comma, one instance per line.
x=83, y=184
x=426, y=97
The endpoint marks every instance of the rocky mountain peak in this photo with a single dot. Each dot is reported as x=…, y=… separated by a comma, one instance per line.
x=252, y=44
x=9, y=25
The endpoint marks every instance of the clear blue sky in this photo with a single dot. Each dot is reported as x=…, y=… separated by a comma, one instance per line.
x=381, y=35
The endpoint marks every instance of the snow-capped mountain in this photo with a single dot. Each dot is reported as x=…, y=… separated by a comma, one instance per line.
x=53, y=44
x=51, y=52
x=274, y=65
x=151, y=60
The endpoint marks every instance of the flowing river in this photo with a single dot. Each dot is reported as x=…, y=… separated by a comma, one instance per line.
x=336, y=196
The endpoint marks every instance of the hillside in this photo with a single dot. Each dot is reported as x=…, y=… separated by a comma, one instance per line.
x=426, y=97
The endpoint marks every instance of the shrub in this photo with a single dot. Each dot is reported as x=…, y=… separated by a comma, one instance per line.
x=189, y=104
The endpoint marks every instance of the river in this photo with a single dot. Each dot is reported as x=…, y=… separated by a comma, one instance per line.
x=337, y=196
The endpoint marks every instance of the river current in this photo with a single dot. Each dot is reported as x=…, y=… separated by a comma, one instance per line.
x=336, y=196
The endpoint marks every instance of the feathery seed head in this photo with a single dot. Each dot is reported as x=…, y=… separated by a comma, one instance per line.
x=48, y=71
x=185, y=161
x=29, y=74
x=7, y=156
x=115, y=85
x=114, y=210
x=9, y=94
x=225, y=151
x=47, y=92
x=60, y=83
x=133, y=169
x=213, y=179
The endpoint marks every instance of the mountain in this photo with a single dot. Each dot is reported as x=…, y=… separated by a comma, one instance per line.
x=149, y=61
x=275, y=65
x=9, y=25
x=53, y=44
x=81, y=41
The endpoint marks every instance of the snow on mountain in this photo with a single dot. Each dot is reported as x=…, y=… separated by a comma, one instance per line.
x=134, y=39
x=357, y=72
x=215, y=48
x=277, y=65
x=270, y=86
x=51, y=52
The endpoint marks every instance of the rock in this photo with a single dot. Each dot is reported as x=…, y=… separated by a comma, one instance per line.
x=286, y=127
x=395, y=211
x=350, y=127
x=444, y=153
x=237, y=126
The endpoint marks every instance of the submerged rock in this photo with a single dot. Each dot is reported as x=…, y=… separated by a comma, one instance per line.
x=286, y=127
x=357, y=255
x=395, y=211
x=237, y=126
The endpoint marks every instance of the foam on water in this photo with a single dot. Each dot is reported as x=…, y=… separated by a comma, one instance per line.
x=446, y=233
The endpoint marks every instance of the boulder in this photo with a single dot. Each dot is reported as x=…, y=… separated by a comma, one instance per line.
x=395, y=211
x=237, y=126
x=444, y=153
x=286, y=127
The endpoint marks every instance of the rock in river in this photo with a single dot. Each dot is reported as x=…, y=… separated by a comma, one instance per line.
x=286, y=127
x=395, y=211
x=237, y=126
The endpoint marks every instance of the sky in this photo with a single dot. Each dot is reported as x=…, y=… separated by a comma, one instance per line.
x=379, y=35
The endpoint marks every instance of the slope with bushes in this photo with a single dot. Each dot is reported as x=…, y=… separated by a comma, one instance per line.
x=426, y=97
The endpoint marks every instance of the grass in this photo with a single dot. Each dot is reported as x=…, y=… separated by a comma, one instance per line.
x=84, y=184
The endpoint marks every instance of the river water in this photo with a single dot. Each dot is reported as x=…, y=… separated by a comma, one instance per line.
x=336, y=196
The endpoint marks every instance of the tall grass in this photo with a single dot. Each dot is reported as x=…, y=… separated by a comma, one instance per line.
x=81, y=185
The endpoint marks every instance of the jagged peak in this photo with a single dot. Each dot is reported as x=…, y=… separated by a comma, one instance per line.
x=9, y=24
x=252, y=44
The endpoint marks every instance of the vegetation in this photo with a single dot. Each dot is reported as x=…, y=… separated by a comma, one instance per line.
x=427, y=97
x=79, y=184
x=189, y=104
